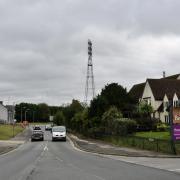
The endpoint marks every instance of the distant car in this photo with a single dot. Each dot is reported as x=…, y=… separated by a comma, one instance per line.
x=37, y=128
x=48, y=127
x=59, y=133
x=37, y=135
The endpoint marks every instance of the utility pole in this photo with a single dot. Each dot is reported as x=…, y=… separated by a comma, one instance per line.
x=90, y=76
x=173, y=147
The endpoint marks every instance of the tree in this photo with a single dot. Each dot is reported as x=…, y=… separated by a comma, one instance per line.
x=59, y=119
x=145, y=121
x=43, y=112
x=109, y=118
x=70, y=110
x=145, y=109
x=112, y=95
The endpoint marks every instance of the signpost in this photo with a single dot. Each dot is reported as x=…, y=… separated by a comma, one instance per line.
x=51, y=118
x=176, y=132
x=175, y=125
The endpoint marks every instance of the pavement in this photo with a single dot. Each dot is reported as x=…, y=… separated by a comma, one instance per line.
x=100, y=147
x=45, y=160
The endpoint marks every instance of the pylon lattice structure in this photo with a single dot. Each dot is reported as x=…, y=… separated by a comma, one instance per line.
x=90, y=87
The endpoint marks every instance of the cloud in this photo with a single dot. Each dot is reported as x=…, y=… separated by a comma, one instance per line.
x=43, y=45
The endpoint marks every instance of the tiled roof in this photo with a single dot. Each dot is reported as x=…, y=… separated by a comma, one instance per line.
x=160, y=87
x=136, y=91
x=172, y=77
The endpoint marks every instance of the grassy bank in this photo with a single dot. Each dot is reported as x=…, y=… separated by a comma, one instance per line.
x=146, y=141
x=6, y=131
x=158, y=135
x=40, y=123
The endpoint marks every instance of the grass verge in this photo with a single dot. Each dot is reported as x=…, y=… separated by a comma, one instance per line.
x=158, y=135
x=6, y=131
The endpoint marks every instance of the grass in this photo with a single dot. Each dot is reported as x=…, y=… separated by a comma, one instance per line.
x=6, y=131
x=153, y=141
x=157, y=135
x=40, y=123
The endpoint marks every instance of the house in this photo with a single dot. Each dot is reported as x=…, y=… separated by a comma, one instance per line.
x=11, y=113
x=158, y=93
x=3, y=113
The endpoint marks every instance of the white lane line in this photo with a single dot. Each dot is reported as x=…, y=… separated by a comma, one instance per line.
x=45, y=148
x=174, y=170
x=59, y=159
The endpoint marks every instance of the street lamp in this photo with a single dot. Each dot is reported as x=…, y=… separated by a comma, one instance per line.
x=26, y=112
x=22, y=113
x=33, y=116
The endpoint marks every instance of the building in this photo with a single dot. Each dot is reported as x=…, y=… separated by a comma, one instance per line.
x=3, y=113
x=158, y=93
x=11, y=113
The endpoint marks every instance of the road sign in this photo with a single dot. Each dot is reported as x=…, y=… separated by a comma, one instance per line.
x=51, y=118
x=176, y=132
x=176, y=115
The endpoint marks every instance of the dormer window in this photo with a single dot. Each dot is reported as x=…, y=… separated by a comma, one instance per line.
x=176, y=103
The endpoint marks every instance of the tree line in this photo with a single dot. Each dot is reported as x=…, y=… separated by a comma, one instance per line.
x=112, y=111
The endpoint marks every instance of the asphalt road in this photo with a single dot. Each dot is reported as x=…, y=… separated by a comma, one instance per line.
x=60, y=161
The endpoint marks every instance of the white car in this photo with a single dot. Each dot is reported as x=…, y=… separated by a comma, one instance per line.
x=59, y=133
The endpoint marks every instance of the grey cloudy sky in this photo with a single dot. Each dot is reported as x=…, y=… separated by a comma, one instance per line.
x=43, y=45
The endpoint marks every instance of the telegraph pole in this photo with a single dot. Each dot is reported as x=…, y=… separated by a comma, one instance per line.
x=90, y=87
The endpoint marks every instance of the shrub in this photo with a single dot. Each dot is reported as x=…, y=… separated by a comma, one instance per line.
x=59, y=118
x=124, y=126
x=162, y=127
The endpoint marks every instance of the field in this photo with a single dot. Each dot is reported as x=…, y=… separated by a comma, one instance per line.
x=6, y=131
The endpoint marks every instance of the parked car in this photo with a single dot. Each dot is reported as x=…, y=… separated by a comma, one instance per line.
x=48, y=127
x=37, y=135
x=59, y=133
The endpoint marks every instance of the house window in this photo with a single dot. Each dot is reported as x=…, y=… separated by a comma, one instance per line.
x=175, y=103
x=166, y=104
x=167, y=119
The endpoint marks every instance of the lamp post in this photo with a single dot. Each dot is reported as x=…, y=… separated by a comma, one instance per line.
x=22, y=113
x=33, y=116
x=25, y=113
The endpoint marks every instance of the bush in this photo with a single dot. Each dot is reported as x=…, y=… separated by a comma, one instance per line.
x=59, y=119
x=146, y=124
x=162, y=127
x=124, y=126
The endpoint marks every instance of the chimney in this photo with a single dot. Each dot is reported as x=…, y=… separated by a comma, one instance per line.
x=164, y=74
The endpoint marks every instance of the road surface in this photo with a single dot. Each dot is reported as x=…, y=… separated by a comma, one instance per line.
x=60, y=161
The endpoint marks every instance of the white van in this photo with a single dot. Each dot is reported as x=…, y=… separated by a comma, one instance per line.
x=59, y=133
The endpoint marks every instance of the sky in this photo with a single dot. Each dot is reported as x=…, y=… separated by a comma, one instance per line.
x=43, y=46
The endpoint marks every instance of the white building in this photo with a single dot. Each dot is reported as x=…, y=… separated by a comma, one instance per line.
x=158, y=93
x=3, y=113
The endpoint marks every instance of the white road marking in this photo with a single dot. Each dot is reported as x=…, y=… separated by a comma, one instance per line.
x=175, y=170
x=59, y=159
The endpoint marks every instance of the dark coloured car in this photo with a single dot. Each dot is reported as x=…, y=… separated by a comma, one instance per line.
x=37, y=135
x=37, y=128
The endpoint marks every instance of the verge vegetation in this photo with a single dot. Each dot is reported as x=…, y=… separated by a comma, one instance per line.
x=6, y=131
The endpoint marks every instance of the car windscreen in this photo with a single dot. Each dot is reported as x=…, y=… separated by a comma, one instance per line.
x=37, y=128
x=37, y=132
x=59, y=129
